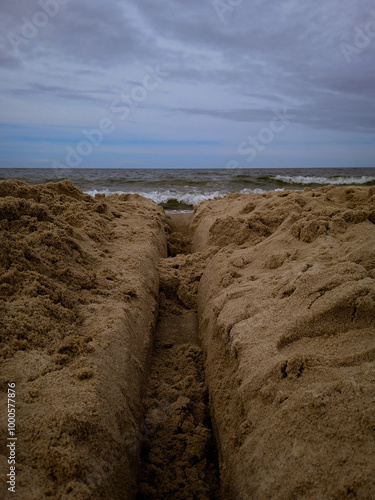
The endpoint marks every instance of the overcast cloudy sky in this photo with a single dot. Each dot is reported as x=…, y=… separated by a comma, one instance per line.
x=198, y=83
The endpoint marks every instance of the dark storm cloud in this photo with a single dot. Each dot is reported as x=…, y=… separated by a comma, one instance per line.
x=260, y=54
x=291, y=50
x=93, y=33
x=99, y=33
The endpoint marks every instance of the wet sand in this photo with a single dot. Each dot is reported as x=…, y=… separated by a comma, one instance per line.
x=180, y=222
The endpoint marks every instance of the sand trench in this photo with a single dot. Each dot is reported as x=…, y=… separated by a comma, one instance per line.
x=179, y=456
x=111, y=366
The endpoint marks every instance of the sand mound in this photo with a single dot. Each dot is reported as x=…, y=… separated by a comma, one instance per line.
x=78, y=298
x=287, y=309
x=46, y=264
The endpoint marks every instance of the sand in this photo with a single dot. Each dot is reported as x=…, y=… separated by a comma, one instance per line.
x=286, y=311
x=79, y=289
x=179, y=455
x=144, y=345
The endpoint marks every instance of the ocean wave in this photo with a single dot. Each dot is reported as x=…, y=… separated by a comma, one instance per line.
x=162, y=197
x=305, y=180
x=169, y=197
x=256, y=191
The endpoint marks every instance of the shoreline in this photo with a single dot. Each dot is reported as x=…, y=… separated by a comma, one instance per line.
x=182, y=189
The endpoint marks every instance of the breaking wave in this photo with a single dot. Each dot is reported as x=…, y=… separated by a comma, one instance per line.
x=311, y=180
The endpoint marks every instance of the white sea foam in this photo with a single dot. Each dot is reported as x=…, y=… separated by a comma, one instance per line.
x=162, y=197
x=93, y=192
x=301, y=179
x=187, y=198
x=253, y=191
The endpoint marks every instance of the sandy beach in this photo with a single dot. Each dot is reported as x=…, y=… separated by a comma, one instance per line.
x=226, y=353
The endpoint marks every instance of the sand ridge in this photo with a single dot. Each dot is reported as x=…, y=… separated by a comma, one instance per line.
x=79, y=285
x=286, y=310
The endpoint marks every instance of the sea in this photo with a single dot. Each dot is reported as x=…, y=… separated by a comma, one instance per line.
x=180, y=189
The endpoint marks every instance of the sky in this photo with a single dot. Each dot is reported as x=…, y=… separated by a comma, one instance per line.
x=187, y=84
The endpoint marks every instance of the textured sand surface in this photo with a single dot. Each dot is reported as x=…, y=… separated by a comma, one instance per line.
x=287, y=310
x=79, y=289
x=124, y=332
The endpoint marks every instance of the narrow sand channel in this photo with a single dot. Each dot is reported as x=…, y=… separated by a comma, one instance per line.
x=179, y=457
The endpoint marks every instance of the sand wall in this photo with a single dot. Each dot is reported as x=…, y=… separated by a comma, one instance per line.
x=286, y=310
x=79, y=300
